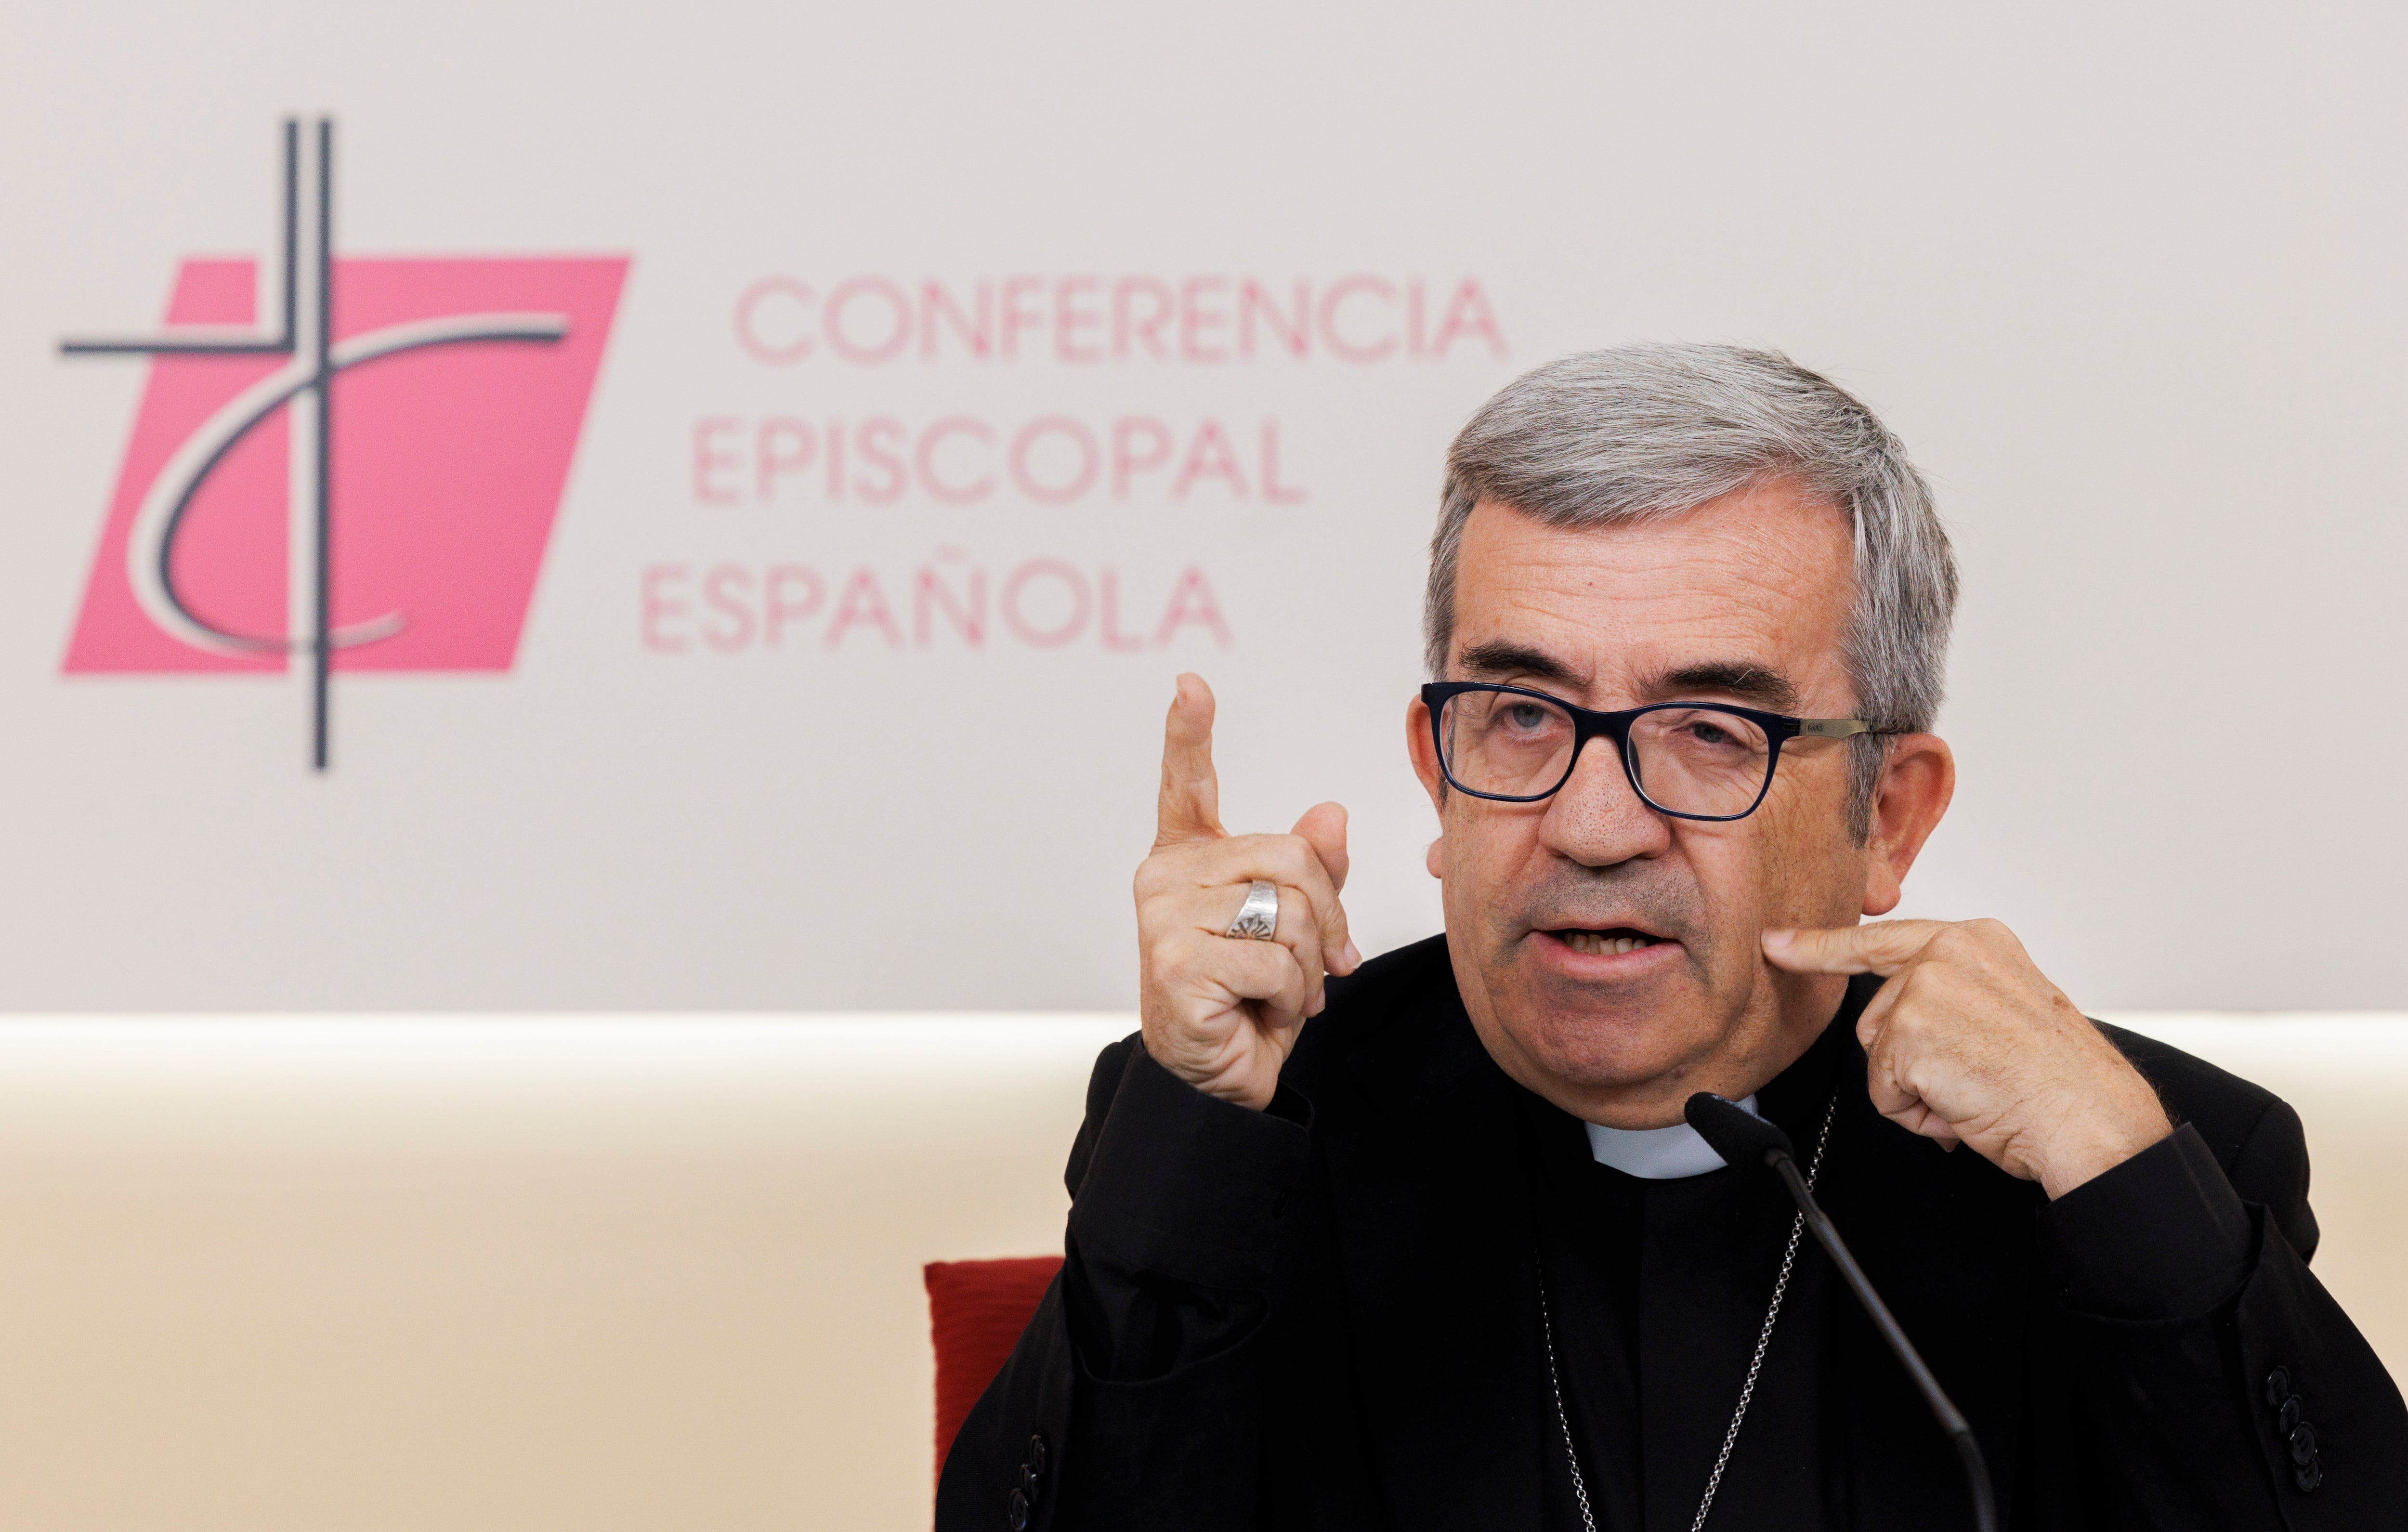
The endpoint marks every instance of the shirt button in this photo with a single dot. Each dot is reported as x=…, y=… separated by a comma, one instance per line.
x=2278, y=1387
x=2308, y=1476
x=1017, y=1517
x=2303, y=1445
x=2286, y=1419
x=1036, y=1454
x=1028, y=1482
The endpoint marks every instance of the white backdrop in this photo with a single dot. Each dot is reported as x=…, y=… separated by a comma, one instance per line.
x=2127, y=282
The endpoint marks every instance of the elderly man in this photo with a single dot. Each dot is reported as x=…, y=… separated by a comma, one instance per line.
x=1448, y=1258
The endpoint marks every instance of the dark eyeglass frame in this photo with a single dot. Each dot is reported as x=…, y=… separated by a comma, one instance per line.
x=1589, y=725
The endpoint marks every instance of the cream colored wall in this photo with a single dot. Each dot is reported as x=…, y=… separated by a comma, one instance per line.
x=389, y=1275
x=600, y=1276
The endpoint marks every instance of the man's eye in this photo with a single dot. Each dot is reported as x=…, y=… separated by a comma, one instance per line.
x=1709, y=734
x=1526, y=715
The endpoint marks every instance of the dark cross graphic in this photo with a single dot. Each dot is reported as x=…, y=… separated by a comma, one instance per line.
x=306, y=336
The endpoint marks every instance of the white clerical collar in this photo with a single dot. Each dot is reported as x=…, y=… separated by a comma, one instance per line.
x=1657, y=1153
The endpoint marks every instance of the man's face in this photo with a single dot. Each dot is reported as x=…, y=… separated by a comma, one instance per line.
x=1745, y=600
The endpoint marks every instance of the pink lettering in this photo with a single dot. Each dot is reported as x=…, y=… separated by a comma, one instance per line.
x=720, y=594
x=1199, y=320
x=1209, y=457
x=863, y=604
x=1127, y=325
x=777, y=611
x=936, y=303
x=709, y=461
x=1255, y=303
x=1108, y=626
x=1017, y=582
x=1195, y=319
x=1126, y=461
x=873, y=434
x=1046, y=602
x=750, y=328
x=656, y=607
x=953, y=494
x=1069, y=320
x=1335, y=298
x=1274, y=491
x=1190, y=602
x=768, y=461
x=1015, y=317
x=1054, y=495
x=1467, y=314
x=899, y=333
x=929, y=590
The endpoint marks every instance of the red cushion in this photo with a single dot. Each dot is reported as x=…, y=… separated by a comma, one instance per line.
x=976, y=1312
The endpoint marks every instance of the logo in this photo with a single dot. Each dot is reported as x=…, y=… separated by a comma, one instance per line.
x=369, y=486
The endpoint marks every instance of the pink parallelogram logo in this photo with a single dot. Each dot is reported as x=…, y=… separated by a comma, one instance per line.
x=367, y=486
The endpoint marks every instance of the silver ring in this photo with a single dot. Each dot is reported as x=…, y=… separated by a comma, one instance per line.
x=1258, y=917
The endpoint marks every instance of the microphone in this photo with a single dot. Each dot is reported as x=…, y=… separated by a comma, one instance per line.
x=1741, y=1137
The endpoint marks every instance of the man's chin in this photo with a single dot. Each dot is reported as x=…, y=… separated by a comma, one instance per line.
x=1589, y=1033
x=1584, y=1057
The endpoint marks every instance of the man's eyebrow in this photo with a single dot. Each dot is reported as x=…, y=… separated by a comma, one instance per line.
x=1499, y=657
x=1742, y=678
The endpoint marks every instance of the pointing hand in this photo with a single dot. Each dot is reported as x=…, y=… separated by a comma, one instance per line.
x=1222, y=1012
x=1969, y=1042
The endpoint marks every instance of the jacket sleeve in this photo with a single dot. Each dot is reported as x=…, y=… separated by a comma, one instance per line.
x=1133, y=1397
x=2226, y=1387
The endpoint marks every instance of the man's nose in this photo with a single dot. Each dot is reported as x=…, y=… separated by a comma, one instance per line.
x=1596, y=819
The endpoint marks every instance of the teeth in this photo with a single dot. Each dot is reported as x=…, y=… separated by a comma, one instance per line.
x=1597, y=944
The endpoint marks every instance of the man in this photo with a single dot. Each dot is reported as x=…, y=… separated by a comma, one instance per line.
x=1447, y=1258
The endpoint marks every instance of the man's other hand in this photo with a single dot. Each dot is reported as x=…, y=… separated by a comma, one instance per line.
x=1222, y=1012
x=1969, y=1042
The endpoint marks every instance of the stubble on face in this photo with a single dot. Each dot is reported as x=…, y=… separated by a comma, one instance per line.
x=1764, y=579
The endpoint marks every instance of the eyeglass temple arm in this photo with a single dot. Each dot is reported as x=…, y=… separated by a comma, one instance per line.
x=1832, y=728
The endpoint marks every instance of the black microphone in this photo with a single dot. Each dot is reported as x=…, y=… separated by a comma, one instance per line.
x=1741, y=1137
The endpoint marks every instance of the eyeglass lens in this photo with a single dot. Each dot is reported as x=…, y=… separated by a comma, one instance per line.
x=1687, y=760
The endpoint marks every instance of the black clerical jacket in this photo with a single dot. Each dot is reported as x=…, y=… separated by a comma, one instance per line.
x=1325, y=1315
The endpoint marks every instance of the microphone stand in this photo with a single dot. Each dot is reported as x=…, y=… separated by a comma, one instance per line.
x=1739, y=1136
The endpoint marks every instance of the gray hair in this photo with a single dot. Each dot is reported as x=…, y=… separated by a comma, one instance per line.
x=1645, y=432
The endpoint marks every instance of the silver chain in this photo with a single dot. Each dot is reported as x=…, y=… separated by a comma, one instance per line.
x=1563, y=1417
x=1754, y=1365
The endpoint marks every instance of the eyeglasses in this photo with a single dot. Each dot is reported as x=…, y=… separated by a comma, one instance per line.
x=1691, y=760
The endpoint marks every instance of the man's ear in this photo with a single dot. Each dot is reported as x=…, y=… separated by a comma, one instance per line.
x=1425, y=754
x=1918, y=778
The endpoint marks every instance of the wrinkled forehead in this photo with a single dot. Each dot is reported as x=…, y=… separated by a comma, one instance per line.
x=1761, y=578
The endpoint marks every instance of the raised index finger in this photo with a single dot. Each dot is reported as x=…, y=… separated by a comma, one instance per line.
x=1190, y=809
x=1882, y=948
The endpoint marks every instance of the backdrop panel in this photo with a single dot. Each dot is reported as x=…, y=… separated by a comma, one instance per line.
x=775, y=458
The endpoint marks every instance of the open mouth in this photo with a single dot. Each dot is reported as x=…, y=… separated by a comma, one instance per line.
x=1609, y=942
